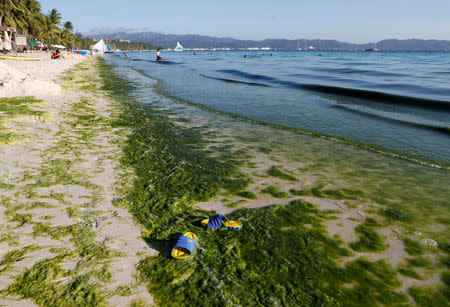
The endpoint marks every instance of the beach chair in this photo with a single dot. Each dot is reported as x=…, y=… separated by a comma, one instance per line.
x=184, y=246
x=217, y=221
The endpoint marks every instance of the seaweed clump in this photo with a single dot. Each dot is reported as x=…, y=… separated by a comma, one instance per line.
x=369, y=240
x=276, y=172
x=274, y=192
x=11, y=108
x=319, y=191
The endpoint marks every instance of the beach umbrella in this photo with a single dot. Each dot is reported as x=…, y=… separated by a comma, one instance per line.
x=59, y=46
x=34, y=44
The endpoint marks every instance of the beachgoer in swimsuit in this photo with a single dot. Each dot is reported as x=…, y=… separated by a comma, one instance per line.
x=56, y=54
x=158, y=56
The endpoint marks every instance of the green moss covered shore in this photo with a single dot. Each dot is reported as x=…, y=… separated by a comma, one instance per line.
x=282, y=256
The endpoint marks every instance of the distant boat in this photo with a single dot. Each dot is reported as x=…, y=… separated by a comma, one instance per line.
x=298, y=46
x=109, y=49
x=372, y=49
x=311, y=48
x=178, y=47
x=100, y=47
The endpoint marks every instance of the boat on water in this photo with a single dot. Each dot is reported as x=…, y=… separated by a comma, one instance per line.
x=178, y=47
x=374, y=48
x=109, y=49
x=298, y=46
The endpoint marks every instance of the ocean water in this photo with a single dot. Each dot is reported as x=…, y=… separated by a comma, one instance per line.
x=393, y=102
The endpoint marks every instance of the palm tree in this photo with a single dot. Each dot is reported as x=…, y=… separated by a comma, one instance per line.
x=6, y=14
x=68, y=27
x=35, y=18
x=53, y=19
x=68, y=36
x=19, y=15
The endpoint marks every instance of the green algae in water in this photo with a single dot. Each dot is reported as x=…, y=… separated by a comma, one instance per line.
x=397, y=213
x=275, y=259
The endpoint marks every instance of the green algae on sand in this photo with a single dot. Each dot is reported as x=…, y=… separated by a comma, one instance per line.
x=276, y=259
x=14, y=108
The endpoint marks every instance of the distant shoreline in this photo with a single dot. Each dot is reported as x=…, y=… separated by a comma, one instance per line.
x=202, y=41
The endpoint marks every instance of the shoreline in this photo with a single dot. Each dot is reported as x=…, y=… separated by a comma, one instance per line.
x=104, y=165
x=380, y=150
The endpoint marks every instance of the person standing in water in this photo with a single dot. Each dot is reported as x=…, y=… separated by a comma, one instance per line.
x=158, y=56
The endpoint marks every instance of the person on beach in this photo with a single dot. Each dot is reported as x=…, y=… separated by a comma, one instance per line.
x=14, y=47
x=56, y=54
x=2, y=44
x=158, y=56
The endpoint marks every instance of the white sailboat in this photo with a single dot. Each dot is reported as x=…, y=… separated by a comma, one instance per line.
x=298, y=46
x=178, y=47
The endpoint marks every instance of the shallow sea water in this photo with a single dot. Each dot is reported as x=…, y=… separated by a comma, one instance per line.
x=396, y=101
x=382, y=179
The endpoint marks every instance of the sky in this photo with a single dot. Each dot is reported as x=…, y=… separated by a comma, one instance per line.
x=356, y=21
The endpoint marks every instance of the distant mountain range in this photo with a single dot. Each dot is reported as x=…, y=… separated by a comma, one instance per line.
x=203, y=41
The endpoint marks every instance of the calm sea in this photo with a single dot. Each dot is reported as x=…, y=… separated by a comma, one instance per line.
x=397, y=102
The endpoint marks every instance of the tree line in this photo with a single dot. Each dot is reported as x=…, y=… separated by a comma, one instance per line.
x=27, y=18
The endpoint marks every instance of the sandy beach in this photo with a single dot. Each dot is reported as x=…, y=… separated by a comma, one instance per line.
x=58, y=180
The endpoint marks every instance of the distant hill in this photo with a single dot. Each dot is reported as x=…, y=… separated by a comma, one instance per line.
x=203, y=41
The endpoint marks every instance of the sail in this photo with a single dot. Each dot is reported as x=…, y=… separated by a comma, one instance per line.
x=108, y=48
x=100, y=46
x=178, y=47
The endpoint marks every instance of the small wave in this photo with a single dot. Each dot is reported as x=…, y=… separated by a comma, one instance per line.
x=351, y=71
x=381, y=97
x=234, y=81
x=246, y=75
x=445, y=130
x=342, y=70
x=154, y=61
x=157, y=86
x=412, y=158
